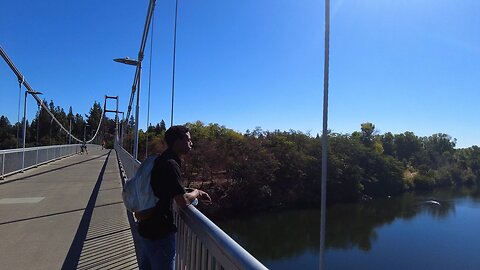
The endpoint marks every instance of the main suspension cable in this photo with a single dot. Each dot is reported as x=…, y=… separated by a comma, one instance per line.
x=136, y=79
x=98, y=128
x=24, y=82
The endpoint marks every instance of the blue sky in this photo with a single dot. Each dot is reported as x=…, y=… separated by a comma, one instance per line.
x=404, y=65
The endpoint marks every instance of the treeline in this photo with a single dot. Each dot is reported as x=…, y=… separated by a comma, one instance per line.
x=42, y=130
x=262, y=169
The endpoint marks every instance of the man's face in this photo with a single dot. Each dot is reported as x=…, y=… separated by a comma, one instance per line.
x=185, y=144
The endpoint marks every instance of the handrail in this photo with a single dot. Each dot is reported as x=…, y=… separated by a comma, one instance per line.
x=15, y=150
x=228, y=253
x=200, y=243
x=18, y=160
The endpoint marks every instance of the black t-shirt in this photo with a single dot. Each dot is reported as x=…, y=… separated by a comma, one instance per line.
x=165, y=180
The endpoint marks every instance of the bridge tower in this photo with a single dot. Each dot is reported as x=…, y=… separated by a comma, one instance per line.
x=116, y=111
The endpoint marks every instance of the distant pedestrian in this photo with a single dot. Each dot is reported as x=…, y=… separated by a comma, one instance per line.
x=84, y=148
x=156, y=225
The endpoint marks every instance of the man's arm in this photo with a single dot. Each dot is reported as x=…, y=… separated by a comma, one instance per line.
x=183, y=200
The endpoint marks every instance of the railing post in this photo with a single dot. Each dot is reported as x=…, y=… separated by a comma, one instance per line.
x=3, y=165
x=23, y=160
x=36, y=162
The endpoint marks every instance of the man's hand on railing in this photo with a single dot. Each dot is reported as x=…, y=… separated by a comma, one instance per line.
x=203, y=197
x=192, y=194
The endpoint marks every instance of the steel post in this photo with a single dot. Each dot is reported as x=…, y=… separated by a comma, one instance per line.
x=24, y=129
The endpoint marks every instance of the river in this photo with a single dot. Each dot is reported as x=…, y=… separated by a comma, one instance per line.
x=403, y=232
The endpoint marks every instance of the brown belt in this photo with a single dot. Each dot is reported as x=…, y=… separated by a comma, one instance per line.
x=145, y=214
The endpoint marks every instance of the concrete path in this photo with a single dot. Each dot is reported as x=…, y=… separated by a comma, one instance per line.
x=67, y=214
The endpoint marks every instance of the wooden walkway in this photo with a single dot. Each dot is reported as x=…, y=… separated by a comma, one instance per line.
x=67, y=214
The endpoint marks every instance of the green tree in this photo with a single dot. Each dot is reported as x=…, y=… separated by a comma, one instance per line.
x=7, y=131
x=162, y=126
x=93, y=119
x=388, y=144
x=440, y=148
x=367, y=134
x=345, y=172
x=406, y=145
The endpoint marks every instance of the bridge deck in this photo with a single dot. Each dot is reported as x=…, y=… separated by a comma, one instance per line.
x=67, y=214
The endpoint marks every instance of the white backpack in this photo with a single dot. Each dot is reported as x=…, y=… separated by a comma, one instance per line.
x=137, y=192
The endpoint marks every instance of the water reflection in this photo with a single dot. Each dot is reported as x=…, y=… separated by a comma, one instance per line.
x=354, y=225
x=277, y=236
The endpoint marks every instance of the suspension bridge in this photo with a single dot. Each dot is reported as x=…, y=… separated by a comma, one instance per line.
x=67, y=213
x=62, y=208
x=61, y=205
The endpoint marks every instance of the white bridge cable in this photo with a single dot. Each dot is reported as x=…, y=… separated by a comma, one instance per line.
x=136, y=78
x=98, y=128
x=23, y=81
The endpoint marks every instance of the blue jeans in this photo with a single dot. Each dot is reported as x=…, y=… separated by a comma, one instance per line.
x=158, y=254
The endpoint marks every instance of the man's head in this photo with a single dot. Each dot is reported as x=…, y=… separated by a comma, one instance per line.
x=178, y=139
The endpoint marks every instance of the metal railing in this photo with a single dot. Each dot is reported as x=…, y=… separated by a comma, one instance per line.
x=200, y=243
x=18, y=160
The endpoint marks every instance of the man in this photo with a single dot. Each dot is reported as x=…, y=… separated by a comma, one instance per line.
x=83, y=148
x=156, y=227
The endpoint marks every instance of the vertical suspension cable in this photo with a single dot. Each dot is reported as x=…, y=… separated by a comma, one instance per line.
x=149, y=83
x=20, y=82
x=323, y=199
x=174, y=60
x=38, y=121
